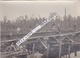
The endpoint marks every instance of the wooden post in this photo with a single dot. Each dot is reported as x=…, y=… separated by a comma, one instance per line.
x=33, y=48
x=66, y=56
x=48, y=51
x=69, y=51
x=60, y=49
x=75, y=53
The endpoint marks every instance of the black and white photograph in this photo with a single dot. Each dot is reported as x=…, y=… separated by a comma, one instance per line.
x=40, y=29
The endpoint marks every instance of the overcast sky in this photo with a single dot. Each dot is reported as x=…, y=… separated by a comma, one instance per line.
x=15, y=9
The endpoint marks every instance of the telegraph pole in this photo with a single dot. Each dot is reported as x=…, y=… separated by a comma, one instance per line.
x=65, y=13
x=60, y=43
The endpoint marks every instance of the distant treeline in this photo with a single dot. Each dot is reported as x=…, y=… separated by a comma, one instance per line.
x=23, y=22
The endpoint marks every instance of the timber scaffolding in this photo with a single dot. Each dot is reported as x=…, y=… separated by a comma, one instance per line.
x=57, y=45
